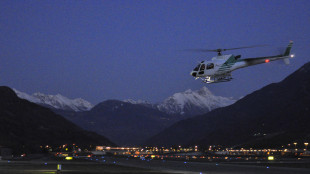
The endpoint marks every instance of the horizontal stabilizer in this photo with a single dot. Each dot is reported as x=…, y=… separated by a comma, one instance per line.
x=286, y=61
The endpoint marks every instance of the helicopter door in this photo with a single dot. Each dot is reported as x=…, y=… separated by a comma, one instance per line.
x=202, y=69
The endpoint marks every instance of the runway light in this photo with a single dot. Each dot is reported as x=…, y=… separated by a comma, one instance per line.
x=270, y=158
x=267, y=60
x=58, y=167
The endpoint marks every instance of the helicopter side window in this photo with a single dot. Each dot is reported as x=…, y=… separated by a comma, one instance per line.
x=202, y=67
x=210, y=66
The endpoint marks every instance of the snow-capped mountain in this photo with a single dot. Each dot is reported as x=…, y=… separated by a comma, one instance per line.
x=56, y=101
x=189, y=102
x=193, y=102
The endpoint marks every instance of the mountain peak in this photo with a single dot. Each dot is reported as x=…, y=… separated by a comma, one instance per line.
x=204, y=91
x=57, y=101
x=188, y=91
x=193, y=102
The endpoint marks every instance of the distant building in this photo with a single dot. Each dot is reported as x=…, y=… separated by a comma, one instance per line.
x=118, y=150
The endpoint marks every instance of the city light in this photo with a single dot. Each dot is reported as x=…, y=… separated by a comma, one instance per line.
x=306, y=144
x=69, y=158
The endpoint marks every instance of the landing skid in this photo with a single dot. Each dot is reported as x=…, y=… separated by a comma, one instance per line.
x=217, y=79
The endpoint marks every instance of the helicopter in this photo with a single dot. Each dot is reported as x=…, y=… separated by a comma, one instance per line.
x=219, y=68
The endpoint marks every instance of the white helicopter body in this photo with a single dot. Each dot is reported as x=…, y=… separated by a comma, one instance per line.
x=219, y=68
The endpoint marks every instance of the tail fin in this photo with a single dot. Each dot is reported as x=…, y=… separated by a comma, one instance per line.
x=287, y=53
x=288, y=49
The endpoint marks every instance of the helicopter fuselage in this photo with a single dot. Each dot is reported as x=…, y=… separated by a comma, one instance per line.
x=219, y=68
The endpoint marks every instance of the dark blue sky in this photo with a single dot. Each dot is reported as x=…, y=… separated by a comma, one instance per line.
x=102, y=50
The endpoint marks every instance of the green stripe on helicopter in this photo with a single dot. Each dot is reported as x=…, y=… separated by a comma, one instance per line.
x=228, y=64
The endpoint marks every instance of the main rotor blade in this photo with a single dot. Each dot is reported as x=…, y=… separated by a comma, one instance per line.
x=200, y=50
x=220, y=50
x=253, y=46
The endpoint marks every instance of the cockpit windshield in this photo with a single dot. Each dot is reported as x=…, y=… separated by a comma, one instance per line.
x=197, y=67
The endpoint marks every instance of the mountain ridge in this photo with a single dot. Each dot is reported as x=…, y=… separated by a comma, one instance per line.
x=187, y=103
x=56, y=101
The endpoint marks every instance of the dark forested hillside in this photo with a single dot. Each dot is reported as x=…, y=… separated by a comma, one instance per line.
x=27, y=125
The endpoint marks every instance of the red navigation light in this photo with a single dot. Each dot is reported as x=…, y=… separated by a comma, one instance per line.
x=267, y=61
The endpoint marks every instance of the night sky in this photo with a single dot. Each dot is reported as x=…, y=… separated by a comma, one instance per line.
x=109, y=49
